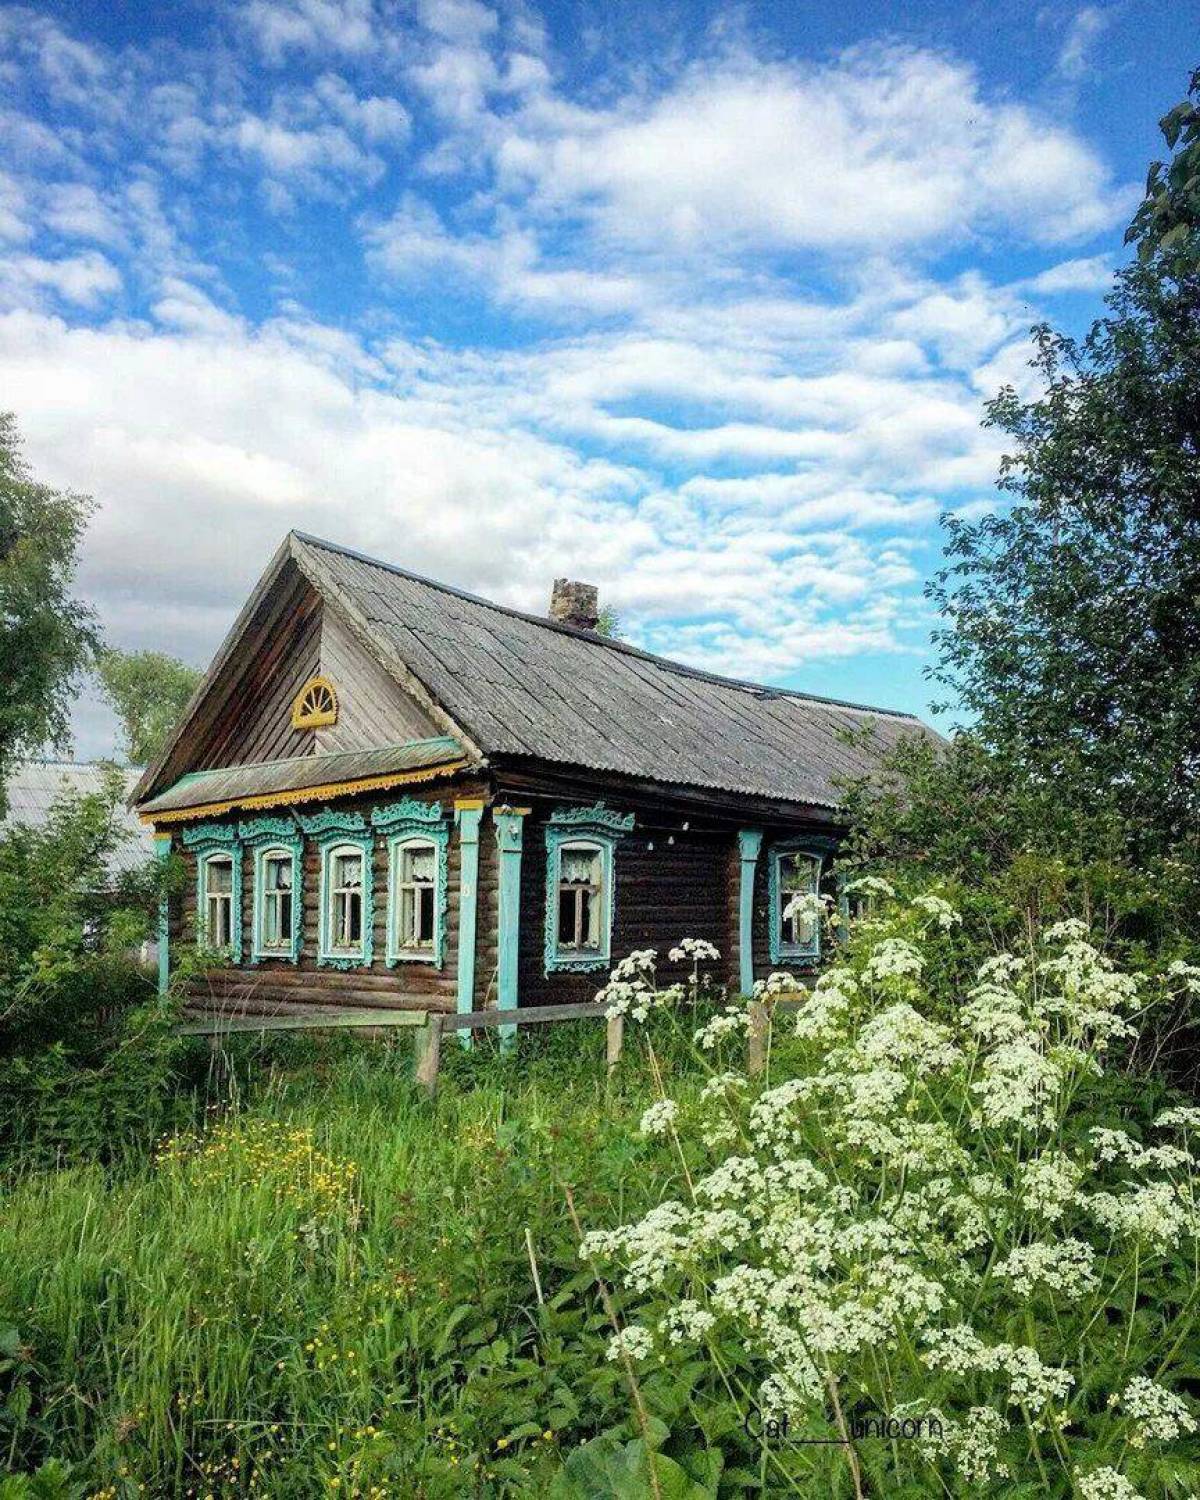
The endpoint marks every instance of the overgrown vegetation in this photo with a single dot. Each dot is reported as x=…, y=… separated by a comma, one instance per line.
x=959, y=1195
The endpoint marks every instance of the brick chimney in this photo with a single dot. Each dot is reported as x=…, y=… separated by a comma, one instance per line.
x=575, y=604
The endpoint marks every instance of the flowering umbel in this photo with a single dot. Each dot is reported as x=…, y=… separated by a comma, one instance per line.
x=899, y=1207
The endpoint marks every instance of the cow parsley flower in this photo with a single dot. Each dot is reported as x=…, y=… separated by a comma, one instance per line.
x=943, y=914
x=1106, y=1484
x=1159, y=1414
x=659, y=1117
x=728, y=1023
x=894, y=958
x=1067, y=1267
x=694, y=950
x=634, y=1341
x=686, y=1323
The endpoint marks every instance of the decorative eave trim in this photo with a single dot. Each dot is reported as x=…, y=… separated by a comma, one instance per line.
x=296, y=795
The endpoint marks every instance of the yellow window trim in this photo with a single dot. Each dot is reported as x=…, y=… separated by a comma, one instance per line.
x=316, y=704
x=305, y=794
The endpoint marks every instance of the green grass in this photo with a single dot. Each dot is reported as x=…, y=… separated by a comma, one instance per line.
x=329, y=1288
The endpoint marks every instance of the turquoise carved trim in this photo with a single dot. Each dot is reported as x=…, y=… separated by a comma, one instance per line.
x=597, y=827
x=205, y=840
x=749, y=845
x=162, y=851
x=509, y=823
x=406, y=815
x=332, y=821
x=468, y=820
x=817, y=848
x=264, y=836
x=342, y=829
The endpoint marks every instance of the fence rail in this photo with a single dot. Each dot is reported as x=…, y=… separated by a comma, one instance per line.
x=430, y=1026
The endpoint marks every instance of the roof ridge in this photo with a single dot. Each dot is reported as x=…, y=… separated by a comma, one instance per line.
x=759, y=689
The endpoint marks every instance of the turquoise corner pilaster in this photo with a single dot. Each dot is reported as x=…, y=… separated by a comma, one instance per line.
x=510, y=827
x=468, y=814
x=749, y=844
x=162, y=851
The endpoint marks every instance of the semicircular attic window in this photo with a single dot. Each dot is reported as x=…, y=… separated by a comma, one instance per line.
x=315, y=705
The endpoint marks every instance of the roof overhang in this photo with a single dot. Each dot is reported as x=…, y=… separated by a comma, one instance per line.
x=303, y=778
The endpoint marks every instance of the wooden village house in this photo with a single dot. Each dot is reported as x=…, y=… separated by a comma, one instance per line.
x=388, y=792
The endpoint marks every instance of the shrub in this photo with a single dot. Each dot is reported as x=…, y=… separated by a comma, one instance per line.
x=929, y=1211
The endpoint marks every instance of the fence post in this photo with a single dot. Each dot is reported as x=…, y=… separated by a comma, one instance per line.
x=756, y=1044
x=429, y=1053
x=613, y=1041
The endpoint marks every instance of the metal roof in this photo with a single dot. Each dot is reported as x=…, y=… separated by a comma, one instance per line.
x=518, y=685
x=33, y=787
x=282, y=781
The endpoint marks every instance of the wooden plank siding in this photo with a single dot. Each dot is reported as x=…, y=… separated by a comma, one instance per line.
x=373, y=709
x=678, y=888
x=278, y=982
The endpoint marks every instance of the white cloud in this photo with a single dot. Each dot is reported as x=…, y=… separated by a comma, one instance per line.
x=1086, y=27
x=886, y=147
x=1092, y=273
x=85, y=280
x=77, y=211
x=284, y=26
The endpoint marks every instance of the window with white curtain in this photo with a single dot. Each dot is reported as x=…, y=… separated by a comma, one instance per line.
x=581, y=898
x=217, y=913
x=344, y=898
x=277, y=874
x=414, y=897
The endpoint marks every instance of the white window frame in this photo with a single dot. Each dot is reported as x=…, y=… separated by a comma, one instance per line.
x=331, y=852
x=401, y=951
x=262, y=895
x=784, y=946
x=224, y=857
x=570, y=952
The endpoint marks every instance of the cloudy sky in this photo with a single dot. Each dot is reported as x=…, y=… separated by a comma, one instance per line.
x=697, y=302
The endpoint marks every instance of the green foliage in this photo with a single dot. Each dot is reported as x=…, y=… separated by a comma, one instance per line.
x=609, y=623
x=46, y=636
x=149, y=691
x=246, y=1304
x=1072, y=634
x=85, y=1045
x=1170, y=213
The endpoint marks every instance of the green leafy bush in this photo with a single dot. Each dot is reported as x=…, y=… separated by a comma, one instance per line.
x=928, y=1210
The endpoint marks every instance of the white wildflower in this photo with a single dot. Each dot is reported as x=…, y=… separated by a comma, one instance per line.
x=870, y=885
x=1106, y=1484
x=1159, y=1414
x=693, y=950
x=940, y=910
x=1048, y=1184
x=1072, y=930
x=1067, y=1267
x=634, y=1341
x=659, y=1117
x=1185, y=1117
x=726, y=1024
x=894, y=958
x=686, y=1323
x=1158, y=1212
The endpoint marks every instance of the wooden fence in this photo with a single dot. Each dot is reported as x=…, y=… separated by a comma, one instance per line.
x=431, y=1026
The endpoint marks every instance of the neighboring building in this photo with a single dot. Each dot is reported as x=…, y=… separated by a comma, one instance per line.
x=390, y=791
x=34, y=786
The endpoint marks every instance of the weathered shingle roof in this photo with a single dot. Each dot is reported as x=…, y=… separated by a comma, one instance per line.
x=291, y=779
x=34, y=786
x=521, y=686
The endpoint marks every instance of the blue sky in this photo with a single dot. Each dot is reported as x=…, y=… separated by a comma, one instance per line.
x=699, y=303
